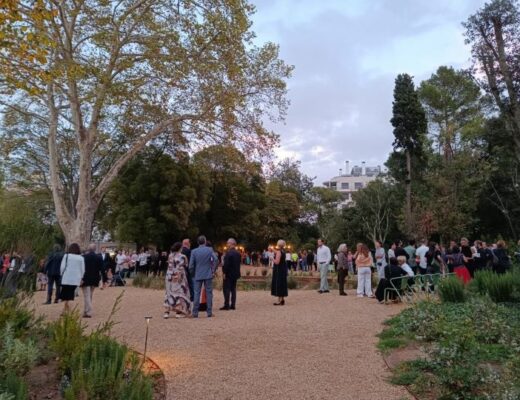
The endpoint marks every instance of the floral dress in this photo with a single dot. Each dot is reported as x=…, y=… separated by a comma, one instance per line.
x=177, y=296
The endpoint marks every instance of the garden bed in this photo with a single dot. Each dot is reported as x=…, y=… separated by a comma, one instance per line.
x=463, y=346
x=59, y=360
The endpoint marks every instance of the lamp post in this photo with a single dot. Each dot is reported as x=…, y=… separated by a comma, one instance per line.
x=146, y=337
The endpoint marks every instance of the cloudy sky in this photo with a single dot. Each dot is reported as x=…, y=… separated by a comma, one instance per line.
x=347, y=54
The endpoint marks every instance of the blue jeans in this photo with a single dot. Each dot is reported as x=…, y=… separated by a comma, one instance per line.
x=208, y=285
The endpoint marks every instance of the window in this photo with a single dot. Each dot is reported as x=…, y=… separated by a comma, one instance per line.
x=344, y=185
x=358, y=185
x=333, y=185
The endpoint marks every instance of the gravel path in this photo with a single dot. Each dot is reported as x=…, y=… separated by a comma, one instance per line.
x=314, y=347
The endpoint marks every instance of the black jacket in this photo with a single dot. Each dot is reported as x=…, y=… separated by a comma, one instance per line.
x=53, y=263
x=393, y=271
x=93, y=268
x=231, y=267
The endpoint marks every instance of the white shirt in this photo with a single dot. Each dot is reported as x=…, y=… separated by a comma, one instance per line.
x=143, y=258
x=421, y=252
x=391, y=253
x=72, y=269
x=406, y=268
x=323, y=255
x=288, y=256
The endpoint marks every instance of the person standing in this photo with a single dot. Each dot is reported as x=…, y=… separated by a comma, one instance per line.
x=364, y=263
x=186, y=250
x=421, y=254
x=323, y=258
x=52, y=269
x=503, y=262
x=91, y=278
x=231, y=271
x=310, y=260
x=467, y=253
x=202, y=268
x=410, y=251
x=177, y=297
x=279, y=280
x=342, y=268
x=107, y=264
x=72, y=269
x=380, y=259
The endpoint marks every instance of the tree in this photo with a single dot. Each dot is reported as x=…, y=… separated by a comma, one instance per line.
x=409, y=122
x=120, y=75
x=375, y=206
x=155, y=199
x=452, y=103
x=325, y=205
x=494, y=35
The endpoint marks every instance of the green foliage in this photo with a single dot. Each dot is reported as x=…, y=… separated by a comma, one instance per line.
x=463, y=342
x=105, y=369
x=12, y=387
x=16, y=356
x=291, y=283
x=452, y=290
x=67, y=338
x=149, y=282
x=15, y=311
x=22, y=226
x=497, y=286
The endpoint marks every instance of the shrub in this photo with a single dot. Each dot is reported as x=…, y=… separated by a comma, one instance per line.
x=67, y=338
x=451, y=290
x=105, y=369
x=13, y=387
x=498, y=287
x=264, y=272
x=291, y=283
x=15, y=312
x=17, y=356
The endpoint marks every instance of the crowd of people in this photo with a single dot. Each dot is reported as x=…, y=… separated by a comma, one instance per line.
x=189, y=273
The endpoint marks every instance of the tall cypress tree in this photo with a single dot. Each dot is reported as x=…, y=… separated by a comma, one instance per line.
x=409, y=122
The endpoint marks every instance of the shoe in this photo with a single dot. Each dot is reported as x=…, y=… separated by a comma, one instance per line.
x=210, y=316
x=359, y=295
x=343, y=294
x=225, y=308
x=371, y=296
x=87, y=316
x=232, y=308
x=166, y=315
x=47, y=302
x=56, y=301
x=180, y=316
x=326, y=291
x=320, y=291
x=194, y=316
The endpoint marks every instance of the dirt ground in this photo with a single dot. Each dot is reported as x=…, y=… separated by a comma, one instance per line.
x=314, y=347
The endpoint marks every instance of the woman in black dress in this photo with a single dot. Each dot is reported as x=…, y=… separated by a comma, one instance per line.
x=279, y=282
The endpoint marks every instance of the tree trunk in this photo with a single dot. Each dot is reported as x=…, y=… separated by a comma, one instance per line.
x=408, y=182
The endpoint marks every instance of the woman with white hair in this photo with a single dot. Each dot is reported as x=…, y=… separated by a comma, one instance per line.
x=279, y=282
x=342, y=268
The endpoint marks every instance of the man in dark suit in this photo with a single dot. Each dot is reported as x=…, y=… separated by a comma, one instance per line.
x=91, y=278
x=203, y=263
x=107, y=264
x=231, y=271
x=52, y=269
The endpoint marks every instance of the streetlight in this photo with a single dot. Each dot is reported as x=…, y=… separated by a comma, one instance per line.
x=146, y=337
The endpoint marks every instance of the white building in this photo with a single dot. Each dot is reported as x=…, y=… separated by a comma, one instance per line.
x=352, y=180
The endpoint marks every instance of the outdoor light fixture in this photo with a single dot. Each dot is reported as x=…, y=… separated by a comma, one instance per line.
x=146, y=337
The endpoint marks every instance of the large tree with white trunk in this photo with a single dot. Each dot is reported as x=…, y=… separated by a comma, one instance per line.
x=120, y=74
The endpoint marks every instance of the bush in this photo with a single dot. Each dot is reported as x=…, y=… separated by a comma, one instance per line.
x=105, y=369
x=451, y=290
x=264, y=272
x=498, y=287
x=17, y=356
x=291, y=283
x=13, y=387
x=67, y=338
x=15, y=312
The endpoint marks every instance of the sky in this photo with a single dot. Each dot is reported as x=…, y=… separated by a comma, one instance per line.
x=347, y=54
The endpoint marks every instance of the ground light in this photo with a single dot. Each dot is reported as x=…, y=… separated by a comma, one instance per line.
x=146, y=337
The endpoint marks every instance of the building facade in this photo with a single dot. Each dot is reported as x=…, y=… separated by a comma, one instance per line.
x=352, y=180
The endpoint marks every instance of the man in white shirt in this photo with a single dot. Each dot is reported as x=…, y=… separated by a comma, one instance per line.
x=421, y=253
x=323, y=257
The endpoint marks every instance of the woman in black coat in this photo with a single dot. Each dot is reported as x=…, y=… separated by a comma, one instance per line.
x=392, y=270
